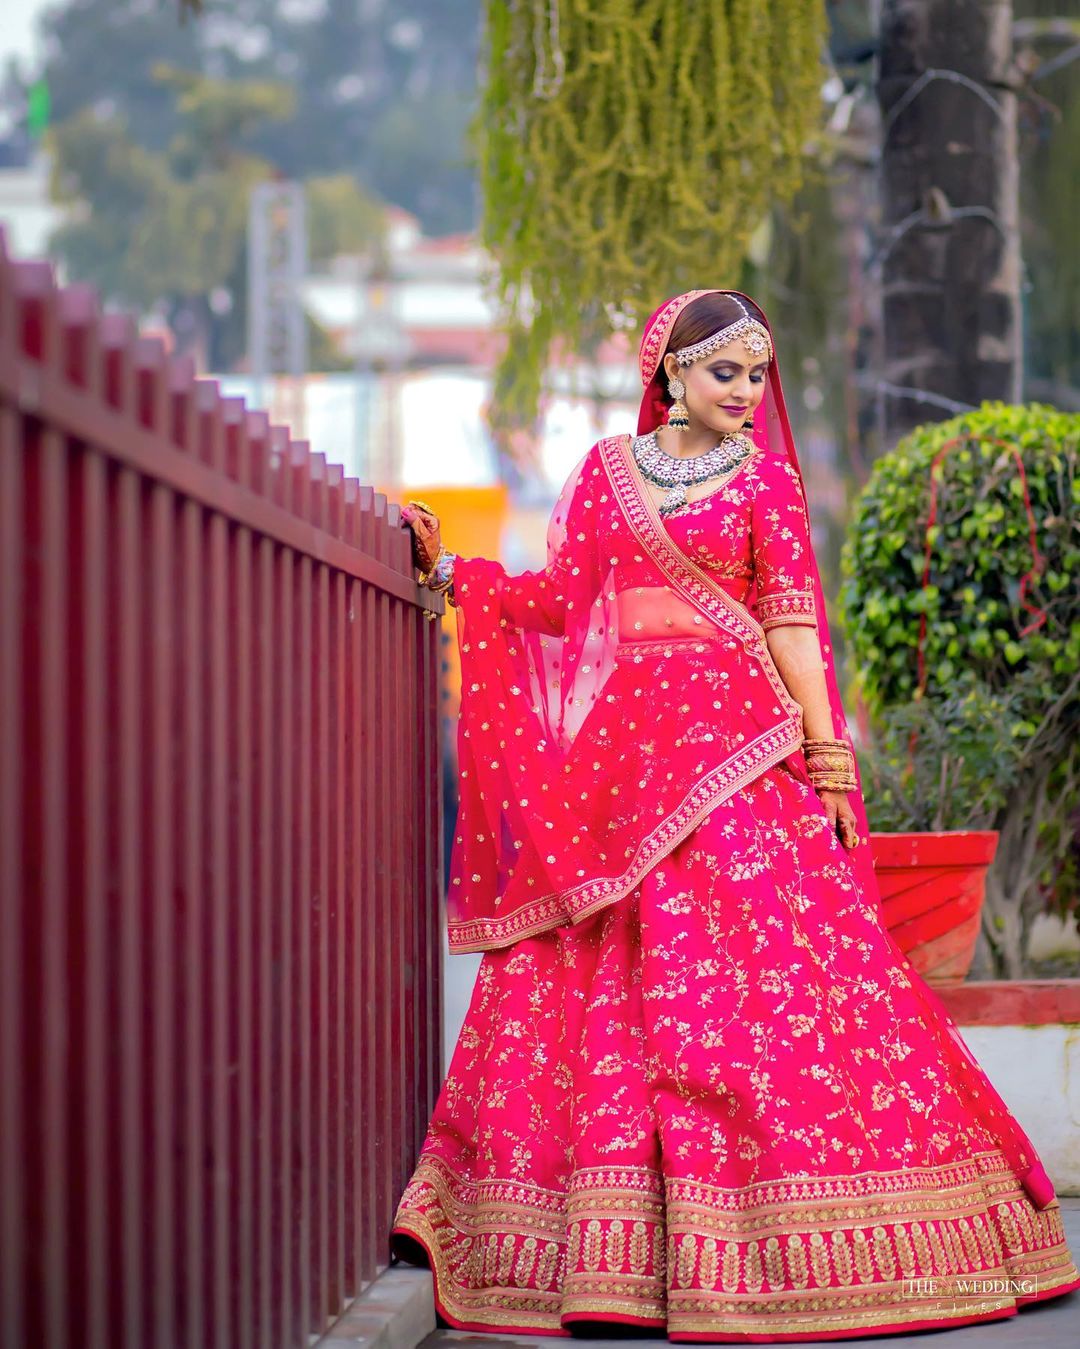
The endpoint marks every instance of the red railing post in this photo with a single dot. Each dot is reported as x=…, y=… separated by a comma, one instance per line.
x=220, y=859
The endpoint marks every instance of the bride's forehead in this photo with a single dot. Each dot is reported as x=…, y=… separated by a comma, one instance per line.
x=732, y=353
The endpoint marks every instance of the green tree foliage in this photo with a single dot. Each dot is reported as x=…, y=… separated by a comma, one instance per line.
x=947, y=762
x=341, y=218
x=979, y=551
x=629, y=150
x=101, y=56
x=381, y=91
x=168, y=228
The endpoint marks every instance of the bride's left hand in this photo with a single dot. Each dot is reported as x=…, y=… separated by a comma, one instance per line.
x=427, y=538
x=842, y=818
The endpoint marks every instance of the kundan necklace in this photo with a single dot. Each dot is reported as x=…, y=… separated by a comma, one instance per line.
x=676, y=474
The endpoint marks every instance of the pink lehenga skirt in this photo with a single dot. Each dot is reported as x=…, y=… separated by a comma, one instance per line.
x=716, y=1108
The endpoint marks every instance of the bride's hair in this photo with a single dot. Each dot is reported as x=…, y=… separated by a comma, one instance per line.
x=700, y=319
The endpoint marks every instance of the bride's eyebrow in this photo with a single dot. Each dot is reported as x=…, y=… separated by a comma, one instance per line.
x=714, y=365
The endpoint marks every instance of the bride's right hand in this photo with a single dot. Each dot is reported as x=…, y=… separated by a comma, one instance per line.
x=427, y=539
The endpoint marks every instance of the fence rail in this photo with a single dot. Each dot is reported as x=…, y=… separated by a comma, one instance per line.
x=220, y=852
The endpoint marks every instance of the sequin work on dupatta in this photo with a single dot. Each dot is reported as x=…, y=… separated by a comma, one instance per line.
x=559, y=742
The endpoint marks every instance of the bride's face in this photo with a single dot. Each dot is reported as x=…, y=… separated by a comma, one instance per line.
x=722, y=390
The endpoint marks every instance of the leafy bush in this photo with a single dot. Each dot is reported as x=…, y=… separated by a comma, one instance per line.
x=979, y=550
x=988, y=631
x=945, y=763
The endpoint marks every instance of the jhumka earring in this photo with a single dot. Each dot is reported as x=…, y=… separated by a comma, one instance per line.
x=678, y=417
x=748, y=425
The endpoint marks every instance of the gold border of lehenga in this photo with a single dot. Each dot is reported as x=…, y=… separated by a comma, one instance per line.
x=695, y=1259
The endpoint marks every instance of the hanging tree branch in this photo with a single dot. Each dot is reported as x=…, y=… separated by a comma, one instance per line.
x=628, y=149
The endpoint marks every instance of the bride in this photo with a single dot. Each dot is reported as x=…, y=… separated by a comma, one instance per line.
x=698, y=1088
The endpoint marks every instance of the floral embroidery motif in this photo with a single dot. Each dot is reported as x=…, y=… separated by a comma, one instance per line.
x=754, y=529
x=660, y=646
x=780, y=534
x=719, y=1107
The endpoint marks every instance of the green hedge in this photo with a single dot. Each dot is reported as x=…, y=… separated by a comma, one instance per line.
x=979, y=551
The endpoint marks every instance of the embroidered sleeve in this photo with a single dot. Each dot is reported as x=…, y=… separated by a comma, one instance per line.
x=782, y=556
x=539, y=600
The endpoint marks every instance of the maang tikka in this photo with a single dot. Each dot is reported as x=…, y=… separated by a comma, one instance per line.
x=678, y=417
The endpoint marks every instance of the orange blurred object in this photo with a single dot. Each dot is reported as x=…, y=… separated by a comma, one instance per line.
x=471, y=522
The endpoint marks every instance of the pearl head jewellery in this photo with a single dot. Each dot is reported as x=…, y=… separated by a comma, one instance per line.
x=754, y=334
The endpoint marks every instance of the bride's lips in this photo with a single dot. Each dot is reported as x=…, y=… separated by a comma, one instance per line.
x=731, y=409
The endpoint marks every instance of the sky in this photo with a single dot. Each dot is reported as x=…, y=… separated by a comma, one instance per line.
x=18, y=19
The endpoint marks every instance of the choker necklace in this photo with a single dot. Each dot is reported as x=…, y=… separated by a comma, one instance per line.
x=676, y=474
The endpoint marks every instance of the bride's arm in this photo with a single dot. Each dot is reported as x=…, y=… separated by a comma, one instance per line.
x=796, y=653
x=783, y=576
x=540, y=600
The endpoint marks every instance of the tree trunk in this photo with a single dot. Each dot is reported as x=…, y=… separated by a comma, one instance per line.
x=1014, y=898
x=950, y=249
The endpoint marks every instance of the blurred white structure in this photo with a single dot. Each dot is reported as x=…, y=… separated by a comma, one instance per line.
x=27, y=216
x=421, y=332
x=436, y=415
x=426, y=306
x=1037, y=1071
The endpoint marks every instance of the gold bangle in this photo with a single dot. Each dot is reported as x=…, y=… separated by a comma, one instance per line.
x=833, y=782
x=443, y=551
x=834, y=764
x=831, y=760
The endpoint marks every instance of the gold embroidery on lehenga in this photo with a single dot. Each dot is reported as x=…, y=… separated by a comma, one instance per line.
x=798, y=1134
x=713, y=789
x=741, y=1012
x=830, y=1253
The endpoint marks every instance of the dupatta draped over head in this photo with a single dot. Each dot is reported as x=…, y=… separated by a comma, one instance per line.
x=590, y=743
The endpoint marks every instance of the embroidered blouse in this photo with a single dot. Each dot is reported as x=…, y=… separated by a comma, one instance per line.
x=751, y=532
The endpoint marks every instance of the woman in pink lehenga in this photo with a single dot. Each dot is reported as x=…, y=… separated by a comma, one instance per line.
x=698, y=1087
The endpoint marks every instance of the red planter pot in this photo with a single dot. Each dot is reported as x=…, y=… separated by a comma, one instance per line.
x=932, y=890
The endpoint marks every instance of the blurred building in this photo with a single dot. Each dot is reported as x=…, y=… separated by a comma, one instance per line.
x=424, y=306
x=419, y=330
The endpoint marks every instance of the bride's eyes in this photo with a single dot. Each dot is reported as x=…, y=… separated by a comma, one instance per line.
x=725, y=375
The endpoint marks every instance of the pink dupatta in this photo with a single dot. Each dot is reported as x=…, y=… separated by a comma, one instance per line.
x=565, y=800
x=569, y=793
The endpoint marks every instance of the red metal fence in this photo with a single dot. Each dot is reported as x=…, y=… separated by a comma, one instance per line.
x=220, y=852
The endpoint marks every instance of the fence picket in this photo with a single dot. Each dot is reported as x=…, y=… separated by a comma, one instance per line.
x=220, y=914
